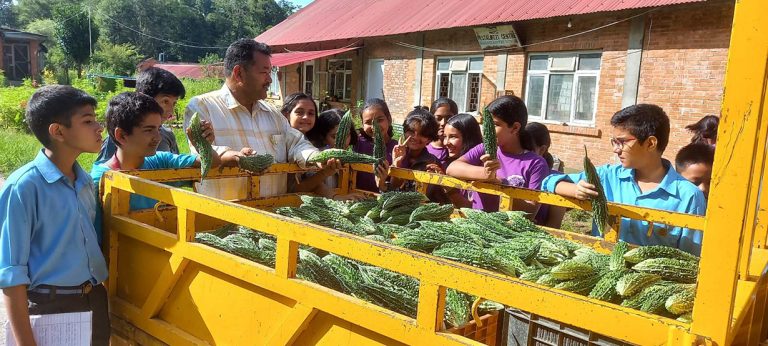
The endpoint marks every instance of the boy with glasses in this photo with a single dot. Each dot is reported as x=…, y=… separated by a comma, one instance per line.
x=640, y=134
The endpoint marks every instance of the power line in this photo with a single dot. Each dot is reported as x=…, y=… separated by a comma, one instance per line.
x=408, y=45
x=158, y=38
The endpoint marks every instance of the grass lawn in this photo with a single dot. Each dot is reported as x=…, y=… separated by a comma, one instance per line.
x=17, y=148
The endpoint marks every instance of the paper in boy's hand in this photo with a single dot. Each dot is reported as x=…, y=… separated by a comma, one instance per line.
x=67, y=329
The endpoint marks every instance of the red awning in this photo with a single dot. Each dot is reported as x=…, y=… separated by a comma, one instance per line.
x=185, y=70
x=329, y=20
x=285, y=59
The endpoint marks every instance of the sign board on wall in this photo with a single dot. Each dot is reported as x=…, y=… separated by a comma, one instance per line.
x=500, y=36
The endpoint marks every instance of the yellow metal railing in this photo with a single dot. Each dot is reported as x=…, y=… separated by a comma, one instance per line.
x=434, y=274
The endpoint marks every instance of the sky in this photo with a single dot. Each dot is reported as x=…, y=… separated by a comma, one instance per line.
x=301, y=3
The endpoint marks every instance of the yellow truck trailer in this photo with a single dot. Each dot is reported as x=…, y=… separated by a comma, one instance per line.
x=164, y=287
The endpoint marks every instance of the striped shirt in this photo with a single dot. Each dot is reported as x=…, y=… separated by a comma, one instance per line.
x=264, y=129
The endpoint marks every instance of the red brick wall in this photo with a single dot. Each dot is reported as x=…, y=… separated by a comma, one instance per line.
x=682, y=68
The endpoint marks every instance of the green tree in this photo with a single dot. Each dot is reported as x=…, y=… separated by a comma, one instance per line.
x=119, y=59
x=29, y=11
x=7, y=13
x=54, y=58
x=75, y=34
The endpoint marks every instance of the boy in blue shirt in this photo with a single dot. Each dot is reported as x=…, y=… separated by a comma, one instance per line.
x=166, y=89
x=133, y=122
x=50, y=258
x=639, y=136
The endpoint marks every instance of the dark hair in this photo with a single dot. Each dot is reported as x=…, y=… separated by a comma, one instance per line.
x=127, y=110
x=471, y=135
x=292, y=100
x=420, y=115
x=694, y=153
x=54, y=104
x=241, y=53
x=539, y=134
x=326, y=121
x=550, y=160
x=705, y=128
x=643, y=121
x=155, y=81
x=444, y=101
x=511, y=109
x=381, y=104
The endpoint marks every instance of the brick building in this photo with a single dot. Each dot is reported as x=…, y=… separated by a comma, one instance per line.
x=580, y=60
x=23, y=55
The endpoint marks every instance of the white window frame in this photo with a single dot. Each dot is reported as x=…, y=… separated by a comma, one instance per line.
x=461, y=103
x=331, y=75
x=304, y=77
x=274, y=88
x=576, y=74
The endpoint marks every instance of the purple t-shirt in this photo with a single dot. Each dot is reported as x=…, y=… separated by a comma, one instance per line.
x=366, y=181
x=440, y=153
x=526, y=170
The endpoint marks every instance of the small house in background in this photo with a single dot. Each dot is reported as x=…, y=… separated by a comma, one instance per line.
x=23, y=54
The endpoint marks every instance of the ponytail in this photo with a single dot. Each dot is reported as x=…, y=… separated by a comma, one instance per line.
x=526, y=140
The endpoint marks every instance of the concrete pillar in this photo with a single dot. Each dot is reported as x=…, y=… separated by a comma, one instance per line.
x=634, y=59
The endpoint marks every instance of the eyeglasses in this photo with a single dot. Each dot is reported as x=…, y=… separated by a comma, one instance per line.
x=620, y=143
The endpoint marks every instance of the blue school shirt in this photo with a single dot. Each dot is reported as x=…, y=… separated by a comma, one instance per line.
x=674, y=193
x=161, y=160
x=46, y=228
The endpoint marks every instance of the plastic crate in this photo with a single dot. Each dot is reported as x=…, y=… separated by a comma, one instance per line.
x=524, y=329
x=488, y=334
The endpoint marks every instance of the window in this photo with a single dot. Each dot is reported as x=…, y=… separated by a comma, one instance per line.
x=340, y=79
x=309, y=78
x=274, y=88
x=459, y=78
x=563, y=87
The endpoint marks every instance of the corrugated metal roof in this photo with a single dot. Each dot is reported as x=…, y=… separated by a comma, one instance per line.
x=327, y=20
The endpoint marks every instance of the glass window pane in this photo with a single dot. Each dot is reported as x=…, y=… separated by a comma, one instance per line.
x=538, y=62
x=535, y=95
x=348, y=65
x=443, y=64
x=474, y=92
x=476, y=64
x=443, y=86
x=459, y=90
x=589, y=61
x=585, y=97
x=559, y=97
x=563, y=63
x=347, y=86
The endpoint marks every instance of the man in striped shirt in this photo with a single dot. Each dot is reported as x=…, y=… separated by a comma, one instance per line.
x=244, y=122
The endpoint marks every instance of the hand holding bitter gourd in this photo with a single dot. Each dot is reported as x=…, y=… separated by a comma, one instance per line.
x=201, y=144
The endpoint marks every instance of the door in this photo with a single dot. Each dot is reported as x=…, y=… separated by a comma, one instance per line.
x=375, y=85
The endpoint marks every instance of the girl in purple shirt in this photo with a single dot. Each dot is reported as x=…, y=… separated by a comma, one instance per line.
x=515, y=163
x=462, y=133
x=375, y=111
x=443, y=109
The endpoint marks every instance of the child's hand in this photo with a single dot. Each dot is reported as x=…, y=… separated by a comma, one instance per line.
x=332, y=165
x=381, y=173
x=399, y=151
x=247, y=151
x=585, y=190
x=490, y=167
x=435, y=168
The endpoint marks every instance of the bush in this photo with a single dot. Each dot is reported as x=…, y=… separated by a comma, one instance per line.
x=13, y=100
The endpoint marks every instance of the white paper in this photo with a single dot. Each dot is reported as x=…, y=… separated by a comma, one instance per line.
x=68, y=329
